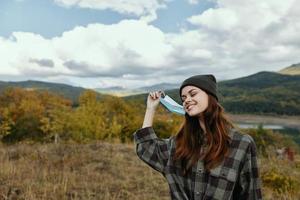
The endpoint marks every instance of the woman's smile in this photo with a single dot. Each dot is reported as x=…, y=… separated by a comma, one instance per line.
x=189, y=107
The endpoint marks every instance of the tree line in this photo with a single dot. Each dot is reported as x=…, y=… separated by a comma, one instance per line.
x=39, y=115
x=44, y=116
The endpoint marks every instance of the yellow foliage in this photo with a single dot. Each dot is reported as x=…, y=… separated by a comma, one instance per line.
x=279, y=182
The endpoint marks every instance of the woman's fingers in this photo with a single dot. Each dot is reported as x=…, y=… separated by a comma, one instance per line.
x=153, y=99
x=152, y=94
x=156, y=94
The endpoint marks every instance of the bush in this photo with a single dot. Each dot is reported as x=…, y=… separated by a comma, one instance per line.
x=280, y=182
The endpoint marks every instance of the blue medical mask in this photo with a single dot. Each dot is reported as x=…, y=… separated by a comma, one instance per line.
x=172, y=105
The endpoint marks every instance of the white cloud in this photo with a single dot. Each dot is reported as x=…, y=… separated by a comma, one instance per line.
x=130, y=44
x=147, y=9
x=251, y=34
x=252, y=15
x=222, y=19
x=236, y=38
x=129, y=47
x=21, y=49
x=128, y=50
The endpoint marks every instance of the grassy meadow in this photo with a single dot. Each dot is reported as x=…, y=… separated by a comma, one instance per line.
x=108, y=171
x=96, y=158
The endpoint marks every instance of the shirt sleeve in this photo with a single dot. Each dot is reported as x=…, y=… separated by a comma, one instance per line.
x=249, y=177
x=151, y=149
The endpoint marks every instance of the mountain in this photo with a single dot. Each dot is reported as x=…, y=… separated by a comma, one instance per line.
x=118, y=91
x=161, y=86
x=291, y=70
x=67, y=91
x=262, y=80
x=122, y=92
x=260, y=93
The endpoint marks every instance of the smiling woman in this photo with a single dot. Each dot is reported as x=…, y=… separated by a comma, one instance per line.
x=208, y=158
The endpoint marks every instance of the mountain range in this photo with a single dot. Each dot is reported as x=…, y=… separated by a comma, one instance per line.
x=121, y=92
x=64, y=90
x=263, y=92
x=291, y=70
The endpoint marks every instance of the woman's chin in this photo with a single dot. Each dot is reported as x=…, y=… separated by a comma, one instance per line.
x=193, y=114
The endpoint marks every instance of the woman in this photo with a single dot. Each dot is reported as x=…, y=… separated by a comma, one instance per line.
x=208, y=158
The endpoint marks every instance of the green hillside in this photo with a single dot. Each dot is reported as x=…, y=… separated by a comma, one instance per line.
x=64, y=90
x=260, y=93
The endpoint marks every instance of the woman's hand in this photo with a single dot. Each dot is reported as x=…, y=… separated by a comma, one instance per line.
x=153, y=99
x=152, y=103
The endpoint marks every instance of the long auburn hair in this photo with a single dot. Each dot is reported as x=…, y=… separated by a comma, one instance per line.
x=190, y=138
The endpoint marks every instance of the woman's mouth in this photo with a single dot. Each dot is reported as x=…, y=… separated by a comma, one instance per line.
x=189, y=107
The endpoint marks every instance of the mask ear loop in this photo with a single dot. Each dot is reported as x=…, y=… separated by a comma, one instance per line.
x=171, y=105
x=162, y=93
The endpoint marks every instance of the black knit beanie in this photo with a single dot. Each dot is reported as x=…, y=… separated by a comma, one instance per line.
x=205, y=82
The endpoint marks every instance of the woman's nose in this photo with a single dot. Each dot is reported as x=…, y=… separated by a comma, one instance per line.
x=187, y=99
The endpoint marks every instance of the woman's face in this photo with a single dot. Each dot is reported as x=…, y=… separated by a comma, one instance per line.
x=195, y=100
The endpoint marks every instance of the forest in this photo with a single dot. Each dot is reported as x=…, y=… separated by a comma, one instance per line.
x=44, y=116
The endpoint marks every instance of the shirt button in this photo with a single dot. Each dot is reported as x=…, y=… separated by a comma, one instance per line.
x=197, y=193
x=199, y=170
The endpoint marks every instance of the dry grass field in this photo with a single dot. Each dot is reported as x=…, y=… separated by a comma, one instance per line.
x=101, y=171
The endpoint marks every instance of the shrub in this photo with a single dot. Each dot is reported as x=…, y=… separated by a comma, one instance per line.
x=280, y=182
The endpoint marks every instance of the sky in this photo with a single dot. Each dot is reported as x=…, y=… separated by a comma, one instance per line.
x=135, y=43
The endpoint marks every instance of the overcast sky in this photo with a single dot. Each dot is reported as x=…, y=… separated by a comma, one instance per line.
x=135, y=43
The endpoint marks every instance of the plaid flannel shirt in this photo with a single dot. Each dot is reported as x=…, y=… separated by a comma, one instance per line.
x=237, y=177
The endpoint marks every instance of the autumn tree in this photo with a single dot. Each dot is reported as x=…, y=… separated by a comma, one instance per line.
x=29, y=114
x=21, y=110
x=87, y=120
x=55, y=121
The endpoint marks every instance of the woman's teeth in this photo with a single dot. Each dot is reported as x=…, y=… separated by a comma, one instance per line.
x=189, y=107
